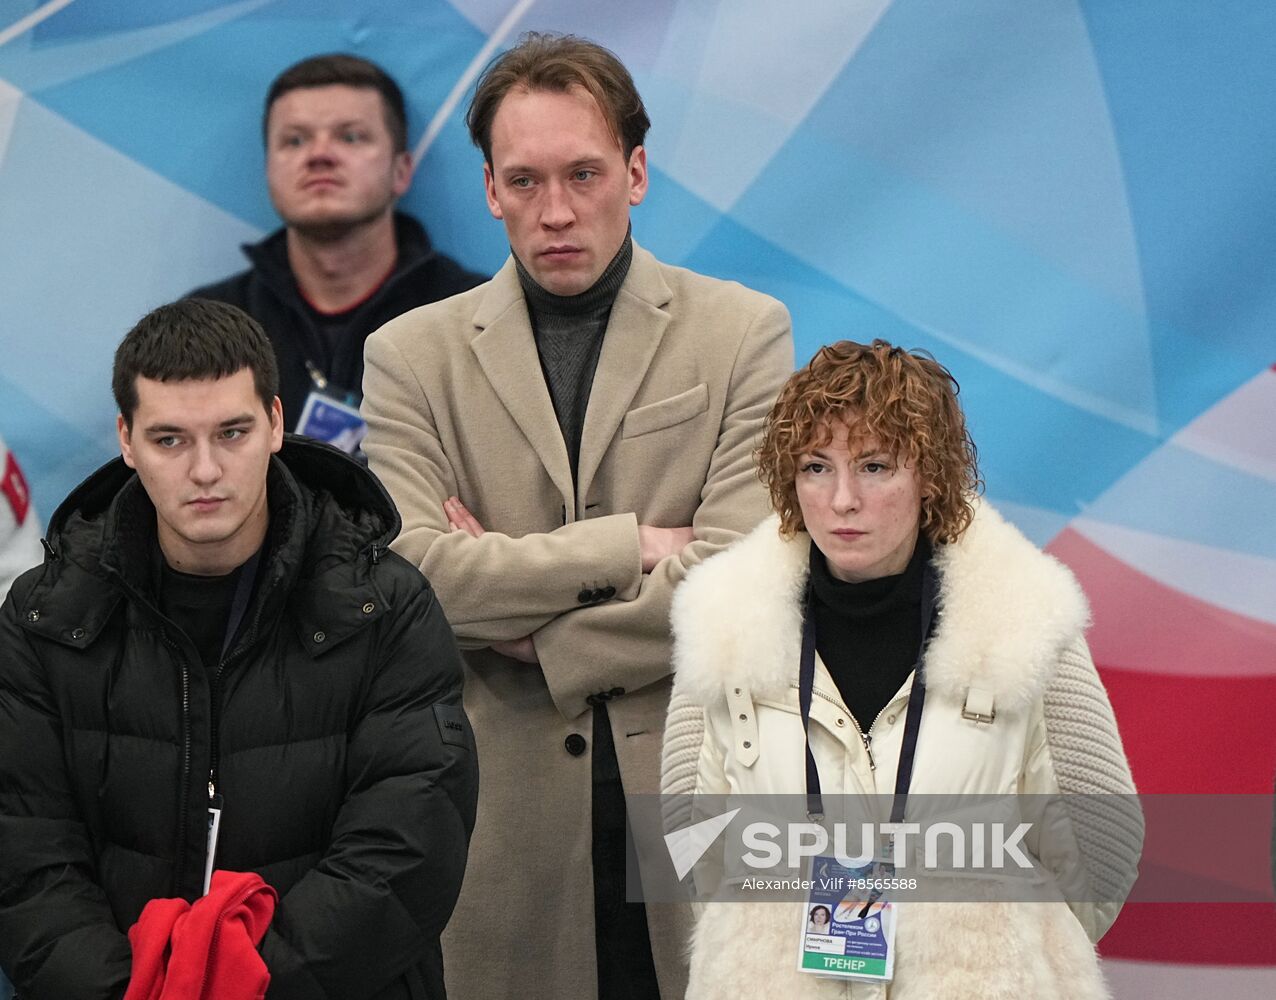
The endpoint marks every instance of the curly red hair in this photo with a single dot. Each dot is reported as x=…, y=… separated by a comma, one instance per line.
x=906, y=400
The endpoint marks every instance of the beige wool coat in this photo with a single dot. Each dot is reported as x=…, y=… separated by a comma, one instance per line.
x=456, y=404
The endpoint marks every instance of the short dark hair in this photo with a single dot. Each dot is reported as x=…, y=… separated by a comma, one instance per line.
x=193, y=339
x=341, y=68
x=557, y=63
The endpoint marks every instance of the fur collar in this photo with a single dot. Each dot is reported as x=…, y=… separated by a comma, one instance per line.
x=1006, y=612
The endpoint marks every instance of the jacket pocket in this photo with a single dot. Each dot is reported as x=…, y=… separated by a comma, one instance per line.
x=666, y=412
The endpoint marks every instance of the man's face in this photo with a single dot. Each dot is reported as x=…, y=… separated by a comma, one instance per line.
x=330, y=161
x=201, y=448
x=562, y=185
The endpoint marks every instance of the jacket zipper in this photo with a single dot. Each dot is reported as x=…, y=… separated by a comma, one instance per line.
x=865, y=738
x=186, y=760
x=215, y=724
x=215, y=697
x=215, y=692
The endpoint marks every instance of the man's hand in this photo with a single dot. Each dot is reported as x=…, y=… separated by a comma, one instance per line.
x=655, y=544
x=522, y=649
x=460, y=519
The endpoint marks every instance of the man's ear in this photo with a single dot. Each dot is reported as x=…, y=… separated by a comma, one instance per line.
x=637, y=171
x=489, y=187
x=402, y=173
x=126, y=440
x=276, y=425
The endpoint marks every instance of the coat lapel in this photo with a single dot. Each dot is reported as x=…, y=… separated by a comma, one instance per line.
x=506, y=351
x=634, y=331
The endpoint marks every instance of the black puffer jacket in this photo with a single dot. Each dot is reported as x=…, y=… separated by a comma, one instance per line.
x=337, y=738
x=268, y=293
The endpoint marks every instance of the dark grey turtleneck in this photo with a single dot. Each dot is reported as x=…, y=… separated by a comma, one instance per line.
x=569, y=338
x=569, y=332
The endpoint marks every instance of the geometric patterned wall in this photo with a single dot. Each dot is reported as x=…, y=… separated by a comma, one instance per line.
x=1069, y=203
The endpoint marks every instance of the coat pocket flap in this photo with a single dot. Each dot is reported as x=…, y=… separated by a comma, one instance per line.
x=666, y=412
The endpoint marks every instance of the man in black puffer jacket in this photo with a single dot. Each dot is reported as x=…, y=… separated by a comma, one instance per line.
x=218, y=623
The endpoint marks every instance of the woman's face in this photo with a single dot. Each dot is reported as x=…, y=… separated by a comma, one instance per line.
x=819, y=916
x=862, y=510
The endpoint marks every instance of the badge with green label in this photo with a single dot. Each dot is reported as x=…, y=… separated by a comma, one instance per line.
x=847, y=930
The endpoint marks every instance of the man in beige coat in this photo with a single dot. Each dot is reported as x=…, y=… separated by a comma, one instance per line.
x=563, y=443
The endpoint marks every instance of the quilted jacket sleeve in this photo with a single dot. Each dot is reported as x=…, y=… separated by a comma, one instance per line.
x=381, y=895
x=58, y=938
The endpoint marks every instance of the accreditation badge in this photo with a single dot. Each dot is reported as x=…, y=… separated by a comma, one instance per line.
x=326, y=418
x=215, y=806
x=847, y=928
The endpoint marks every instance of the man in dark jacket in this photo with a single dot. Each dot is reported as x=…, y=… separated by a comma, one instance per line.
x=335, y=128
x=219, y=625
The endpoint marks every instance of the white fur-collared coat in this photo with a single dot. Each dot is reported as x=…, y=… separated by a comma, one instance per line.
x=1008, y=646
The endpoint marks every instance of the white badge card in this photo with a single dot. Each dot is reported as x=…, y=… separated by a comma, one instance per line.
x=847, y=930
x=214, y=829
x=327, y=419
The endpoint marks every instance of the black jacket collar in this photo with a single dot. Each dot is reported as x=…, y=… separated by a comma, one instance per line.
x=270, y=256
x=330, y=520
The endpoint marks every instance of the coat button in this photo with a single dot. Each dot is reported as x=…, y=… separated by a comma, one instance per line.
x=77, y=633
x=369, y=608
x=320, y=637
x=575, y=744
x=33, y=615
x=890, y=719
x=609, y=593
x=841, y=722
x=585, y=596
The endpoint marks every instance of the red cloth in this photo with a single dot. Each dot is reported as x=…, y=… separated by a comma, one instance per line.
x=205, y=951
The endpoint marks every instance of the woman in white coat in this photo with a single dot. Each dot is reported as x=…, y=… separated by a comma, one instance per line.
x=881, y=556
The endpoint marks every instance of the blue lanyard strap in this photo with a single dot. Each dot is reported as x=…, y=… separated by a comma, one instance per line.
x=239, y=602
x=806, y=687
x=912, y=721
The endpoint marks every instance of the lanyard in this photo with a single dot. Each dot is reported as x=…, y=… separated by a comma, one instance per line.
x=239, y=602
x=912, y=721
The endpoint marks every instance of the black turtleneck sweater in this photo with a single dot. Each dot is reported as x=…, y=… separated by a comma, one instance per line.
x=569, y=337
x=869, y=634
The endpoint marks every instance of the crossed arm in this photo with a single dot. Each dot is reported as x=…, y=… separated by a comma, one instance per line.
x=499, y=590
x=654, y=545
